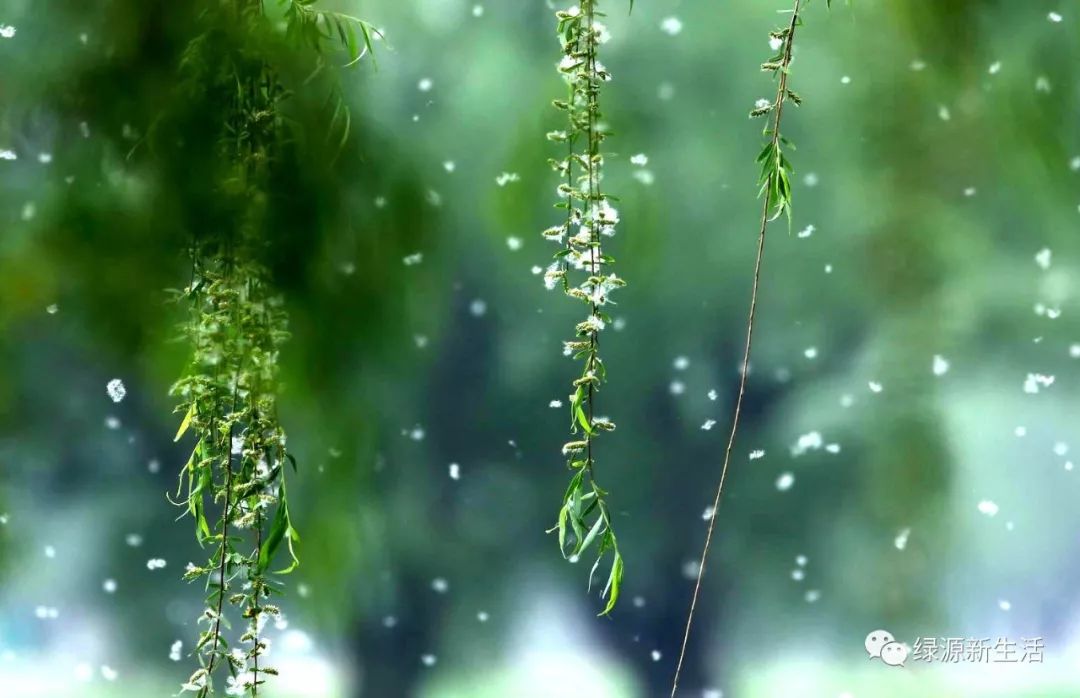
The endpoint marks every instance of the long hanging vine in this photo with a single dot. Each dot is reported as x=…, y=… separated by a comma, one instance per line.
x=775, y=192
x=236, y=328
x=584, y=519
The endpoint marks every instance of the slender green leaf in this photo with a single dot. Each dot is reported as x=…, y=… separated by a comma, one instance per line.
x=278, y=529
x=614, y=583
x=185, y=423
x=583, y=420
x=591, y=536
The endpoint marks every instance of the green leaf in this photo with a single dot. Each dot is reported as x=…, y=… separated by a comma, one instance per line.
x=575, y=482
x=367, y=30
x=564, y=512
x=614, y=583
x=197, y=506
x=278, y=530
x=591, y=536
x=350, y=42
x=575, y=404
x=291, y=536
x=575, y=520
x=592, y=572
x=185, y=423
x=189, y=468
x=583, y=420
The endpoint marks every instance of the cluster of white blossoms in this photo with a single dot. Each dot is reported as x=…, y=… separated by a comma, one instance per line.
x=243, y=680
x=589, y=214
x=244, y=664
x=580, y=268
x=580, y=263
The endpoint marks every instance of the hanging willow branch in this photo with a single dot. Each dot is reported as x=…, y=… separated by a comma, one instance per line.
x=237, y=463
x=236, y=328
x=775, y=182
x=584, y=521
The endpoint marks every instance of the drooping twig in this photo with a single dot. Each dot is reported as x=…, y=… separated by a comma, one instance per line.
x=589, y=218
x=776, y=191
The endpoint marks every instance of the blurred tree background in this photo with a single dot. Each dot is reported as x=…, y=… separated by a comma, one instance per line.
x=912, y=378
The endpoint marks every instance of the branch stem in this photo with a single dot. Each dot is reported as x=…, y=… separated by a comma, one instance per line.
x=781, y=94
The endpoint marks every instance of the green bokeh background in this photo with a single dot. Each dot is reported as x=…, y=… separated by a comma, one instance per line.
x=931, y=180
